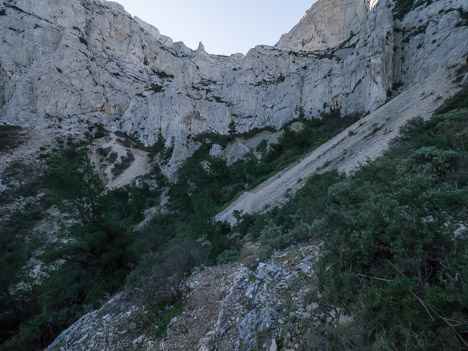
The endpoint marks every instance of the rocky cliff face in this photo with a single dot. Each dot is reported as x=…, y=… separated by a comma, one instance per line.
x=327, y=24
x=65, y=65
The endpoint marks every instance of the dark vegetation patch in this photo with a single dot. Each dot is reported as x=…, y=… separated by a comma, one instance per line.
x=22, y=181
x=345, y=44
x=277, y=80
x=91, y=259
x=322, y=54
x=357, y=84
x=10, y=137
x=21, y=206
x=214, y=138
x=328, y=54
x=219, y=99
x=14, y=7
x=463, y=17
x=98, y=130
x=103, y=151
x=402, y=7
x=456, y=102
x=408, y=34
x=132, y=141
x=156, y=88
x=125, y=162
x=112, y=157
x=254, y=131
x=124, y=141
x=462, y=71
x=394, y=240
x=163, y=75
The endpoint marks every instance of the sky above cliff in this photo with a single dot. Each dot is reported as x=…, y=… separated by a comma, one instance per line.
x=224, y=26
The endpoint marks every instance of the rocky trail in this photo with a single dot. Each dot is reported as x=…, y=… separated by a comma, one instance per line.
x=233, y=306
x=123, y=324
x=192, y=329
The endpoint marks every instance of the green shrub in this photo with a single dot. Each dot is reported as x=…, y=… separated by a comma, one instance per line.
x=100, y=131
x=432, y=160
x=458, y=101
x=160, y=278
x=227, y=256
x=394, y=240
x=76, y=186
x=125, y=162
x=9, y=137
x=103, y=152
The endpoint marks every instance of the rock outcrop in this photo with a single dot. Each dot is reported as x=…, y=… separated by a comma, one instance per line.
x=327, y=24
x=68, y=64
x=269, y=304
x=229, y=307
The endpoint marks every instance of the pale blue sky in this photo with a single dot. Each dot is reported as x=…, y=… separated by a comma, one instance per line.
x=224, y=26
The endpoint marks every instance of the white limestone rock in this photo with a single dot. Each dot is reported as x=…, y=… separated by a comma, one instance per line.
x=65, y=65
x=327, y=24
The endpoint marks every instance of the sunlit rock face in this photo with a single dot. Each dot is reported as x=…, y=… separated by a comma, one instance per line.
x=327, y=24
x=67, y=64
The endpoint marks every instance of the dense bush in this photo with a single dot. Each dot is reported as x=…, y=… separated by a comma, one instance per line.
x=75, y=185
x=17, y=245
x=9, y=137
x=125, y=162
x=164, y=275
x=92, y=257
x=394, y=239
x=396, y=245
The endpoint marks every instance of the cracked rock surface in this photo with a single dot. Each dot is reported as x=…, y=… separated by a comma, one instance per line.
x=68, y=64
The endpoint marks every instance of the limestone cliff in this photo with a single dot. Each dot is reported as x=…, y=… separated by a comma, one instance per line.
x=68, y=64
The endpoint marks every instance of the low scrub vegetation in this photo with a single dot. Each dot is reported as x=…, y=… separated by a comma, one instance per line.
x=125, y=162
x=9, y=137
x=393, y=237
